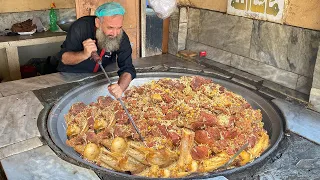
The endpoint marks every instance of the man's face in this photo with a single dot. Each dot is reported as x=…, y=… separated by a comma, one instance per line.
x=110, y=25
x=109, y=32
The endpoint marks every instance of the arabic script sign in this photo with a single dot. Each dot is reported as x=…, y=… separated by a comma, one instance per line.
x=271, y=10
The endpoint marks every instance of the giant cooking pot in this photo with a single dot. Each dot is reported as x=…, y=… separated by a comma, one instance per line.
x=89, y=93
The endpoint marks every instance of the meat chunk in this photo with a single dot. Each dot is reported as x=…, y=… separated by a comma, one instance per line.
x=105, y=133
x=75, y=141
x=122, y=131
x=166, y=98
x=163, y=130
x=92, y=137
x=204, y=120
x=214, y=133
x=179, y=86
x=230, y=134
x=149, y=114
x=175, y=138
x=104, y=101
x=90, y=122
x=165, y=109
x=77, y=108
x=121, y=117
x=172, y=115
x=222, y=89
x=252, y=140
x=203, y=137
x=172, y=84
x=200, y=153
x=198, y=81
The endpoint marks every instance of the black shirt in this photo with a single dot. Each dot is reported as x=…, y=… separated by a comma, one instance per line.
x=83, y=29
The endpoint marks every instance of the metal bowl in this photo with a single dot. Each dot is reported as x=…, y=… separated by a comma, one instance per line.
x=56, y=125
x=65, y=23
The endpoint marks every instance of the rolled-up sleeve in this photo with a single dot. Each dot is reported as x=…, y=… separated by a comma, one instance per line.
x=124, y=57
x=75, y=36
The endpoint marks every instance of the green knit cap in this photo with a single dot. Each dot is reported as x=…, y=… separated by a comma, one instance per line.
x=110, y=9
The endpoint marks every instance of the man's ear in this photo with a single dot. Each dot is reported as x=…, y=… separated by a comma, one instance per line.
x=97, y=22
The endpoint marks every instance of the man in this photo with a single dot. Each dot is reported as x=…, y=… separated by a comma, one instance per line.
x=102, y=34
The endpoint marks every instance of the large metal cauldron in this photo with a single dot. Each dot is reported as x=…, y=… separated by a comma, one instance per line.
x=89, y=93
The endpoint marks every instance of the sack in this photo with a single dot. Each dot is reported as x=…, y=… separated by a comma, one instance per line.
x=163, y=8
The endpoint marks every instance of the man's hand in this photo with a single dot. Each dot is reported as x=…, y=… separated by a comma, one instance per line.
x=115, y=90
x=72, y=58
x=89, y=46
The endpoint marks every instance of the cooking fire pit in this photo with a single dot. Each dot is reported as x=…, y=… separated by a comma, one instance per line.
x=89, y=93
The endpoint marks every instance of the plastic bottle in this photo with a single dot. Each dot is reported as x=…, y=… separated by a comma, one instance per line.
x=53, y=18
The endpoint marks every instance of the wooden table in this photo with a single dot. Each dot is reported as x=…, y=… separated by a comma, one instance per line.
x=11, y=44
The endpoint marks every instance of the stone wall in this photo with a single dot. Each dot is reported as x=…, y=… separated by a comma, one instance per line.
x=173, y=32
x=283, y=54
x=315, y=90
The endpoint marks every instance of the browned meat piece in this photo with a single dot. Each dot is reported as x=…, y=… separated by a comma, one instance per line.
x=246, y=105
x=175, y=138
x=204, y=120
x=203, y=137
x=149, y=114
x=200, y=153
x=166, y=98
x=90, y=122
x=75, y=141
x=165, y=109
x=104, y=101
x=77, y=108
x=168, y=83
x=231, y=134
x=222, y=89
x=163, y=130
x=121, y=117
x=214, y=132
x=122, y=131
x=252, y=140
x=179, y=86
x=91, y=136
x=198, y=81
x=104, y=133
x=172, y=115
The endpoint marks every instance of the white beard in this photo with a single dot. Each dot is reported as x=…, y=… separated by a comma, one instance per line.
x=108, y=43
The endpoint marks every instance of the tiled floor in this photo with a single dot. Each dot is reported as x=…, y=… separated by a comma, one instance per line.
x=42, y=163
x=18, y=116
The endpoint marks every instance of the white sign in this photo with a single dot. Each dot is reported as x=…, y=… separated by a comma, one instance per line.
x=271, y=10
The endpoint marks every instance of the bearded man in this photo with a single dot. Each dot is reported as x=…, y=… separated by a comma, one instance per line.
x=103, y=34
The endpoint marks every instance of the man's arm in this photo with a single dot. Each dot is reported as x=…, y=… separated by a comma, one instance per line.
x=124, y=81
x=127, y=71
x=125, y=57
x=72, y=58
x=116, y=90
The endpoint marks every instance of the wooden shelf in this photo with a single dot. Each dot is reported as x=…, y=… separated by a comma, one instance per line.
x=11, y=44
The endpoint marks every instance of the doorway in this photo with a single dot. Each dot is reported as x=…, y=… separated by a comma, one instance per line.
x=151, y=31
